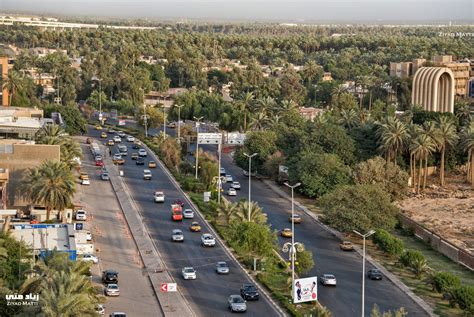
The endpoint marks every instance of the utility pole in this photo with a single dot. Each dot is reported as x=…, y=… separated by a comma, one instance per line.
x=250, y=180
x=293, y=253
x=197, y=144
x=179, y=122
x=364, y=236
x=145, y=120
x=164, y=121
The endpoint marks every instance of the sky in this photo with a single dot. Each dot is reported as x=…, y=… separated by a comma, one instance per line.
x=303, y=11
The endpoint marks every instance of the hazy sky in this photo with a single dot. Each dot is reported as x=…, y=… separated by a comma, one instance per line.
x=290, y=10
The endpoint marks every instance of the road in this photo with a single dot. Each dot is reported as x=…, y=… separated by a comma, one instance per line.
x=345, y=299
x=208, y=294
x=117, y=249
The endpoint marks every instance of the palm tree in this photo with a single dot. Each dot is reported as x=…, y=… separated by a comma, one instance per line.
x=413, y=131
x=245, y=104
x=70, y=150
x=256, y=213
x=51, y=134
x=259, y=121
x=53, y=188
x=348, y=118
x=309, y=72
x=446, y=137
x=227, y=211
x=286, y=106
x=467, y=143
x=12, y=84
x=264, y=105
x=392, y=137
x=422, y=147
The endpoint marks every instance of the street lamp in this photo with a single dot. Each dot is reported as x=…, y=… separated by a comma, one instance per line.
x=197, y=143
x=164, y=121
x=250, y=177
x=293, y=247
x=292, y=229
x=364, y=236
x=179, y=122
x=145, y=122
x=95, y=78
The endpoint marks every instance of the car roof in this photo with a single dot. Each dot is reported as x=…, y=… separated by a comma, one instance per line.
x=177, y=230
x=111, y=272
x=194, y=223
x=146, y=171
x=188, y=268
x=329, y=275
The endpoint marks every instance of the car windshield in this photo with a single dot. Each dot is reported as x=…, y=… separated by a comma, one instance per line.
x=237, y=300
x=189, y=270
x=222, y=264
x=250, y=288
x=113, y=286
x=330, y=277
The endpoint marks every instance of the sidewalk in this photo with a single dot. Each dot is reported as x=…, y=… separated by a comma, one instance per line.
x=395, y=280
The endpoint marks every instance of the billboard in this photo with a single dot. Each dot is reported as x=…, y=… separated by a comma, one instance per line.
x=209, y=138
x=305, y=290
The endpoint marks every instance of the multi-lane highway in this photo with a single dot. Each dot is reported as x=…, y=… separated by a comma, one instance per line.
x=208, y=294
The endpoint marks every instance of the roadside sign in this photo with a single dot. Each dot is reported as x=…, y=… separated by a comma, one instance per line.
x=305, y=290
x=209, y=138
x=121, y=122
x=235, y=138
x=168, y=287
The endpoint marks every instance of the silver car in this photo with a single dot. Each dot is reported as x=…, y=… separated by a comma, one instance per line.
x=222, y=268
x=237, y=303
x=177, y=236
x=188, y=213
x=328, y=279
x=112, y=290
x=189, y=273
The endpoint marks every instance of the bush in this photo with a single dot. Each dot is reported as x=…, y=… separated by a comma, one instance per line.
x=415, y=261
x=444, y=282
x=305, y=262
x=388, y=243
x=464, y=297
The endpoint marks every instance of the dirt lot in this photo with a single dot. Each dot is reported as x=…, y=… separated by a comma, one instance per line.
x=447, y=211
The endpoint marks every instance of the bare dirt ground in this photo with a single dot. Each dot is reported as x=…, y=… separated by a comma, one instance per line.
x=447, y=211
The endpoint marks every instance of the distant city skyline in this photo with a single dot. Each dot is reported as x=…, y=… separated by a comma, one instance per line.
x=303, y=11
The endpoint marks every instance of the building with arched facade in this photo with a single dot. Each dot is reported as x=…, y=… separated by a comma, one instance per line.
x=434, y=89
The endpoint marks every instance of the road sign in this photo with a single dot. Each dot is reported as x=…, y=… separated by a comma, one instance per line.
x=305, y=290
x=168, y=287
x=235, y=138
x=209, y=138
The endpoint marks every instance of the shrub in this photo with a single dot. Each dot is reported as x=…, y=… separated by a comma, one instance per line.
x=305, y=262
x=464, y=297
x=388, y=243
x=444, y=282
x=415, y=261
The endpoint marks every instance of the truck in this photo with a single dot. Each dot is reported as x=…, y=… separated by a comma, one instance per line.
x=282, y=174
x=176, y=212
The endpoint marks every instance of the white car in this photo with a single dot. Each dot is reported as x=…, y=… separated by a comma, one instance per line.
x=207, y=240
x=232, y=192
x=222, y=171
x=123, y=150
x=121, y=134
x=177, y=235
x=130, y=138
x=147, y=174
x=188, y=213
x=90, y=258
x=88, y=236
x=229, y=178
x=81, y=214
x=159, y=197
x=235, y=185
x=85, y=182
x=112, y=290
x=328, y=279
x=142, y=153
x=189, y=273
x=117, y=139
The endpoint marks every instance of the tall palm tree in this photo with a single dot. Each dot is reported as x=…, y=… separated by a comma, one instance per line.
x=51, y=134
x=422, y=147
x=54, y=187
x=245, y=104
x=227, y=211
x=348, y=118
x=447, y=136
x=467, y=143
x=70, y=150
x=413, y=130
x=286, y=106
x=12, y=84
x=259, y=121
x=392, y=137
x=265, y=104
x=256, y=213
x=309, y=72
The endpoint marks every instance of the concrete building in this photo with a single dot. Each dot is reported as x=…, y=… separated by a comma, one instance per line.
x=327, y=76
x=4, y=178
x=154, y=98
x=4, y=74
x=434, y=88
x=21, y=123
x=310, y=113
x=406, y=69
x=461, y=71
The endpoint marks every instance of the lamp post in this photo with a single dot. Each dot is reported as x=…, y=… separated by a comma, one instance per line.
x=250, y=178
x=292, y=230
x=197, y=143
x=179, y=122
x=145, y=122
x=364, y=236
x=293, y=247
x=164, y=121
x=95, y=78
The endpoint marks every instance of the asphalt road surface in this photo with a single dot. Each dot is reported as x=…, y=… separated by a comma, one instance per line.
x=207, y=294
x=117, y=249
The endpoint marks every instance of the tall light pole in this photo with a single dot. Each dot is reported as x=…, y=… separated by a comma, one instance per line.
x=179, y=122
x=364, y=236
x=292, y=248
x=250, y=178
x=164, y=121
x=145, y=120
x=292, y=232
x=197, y=144
x=95, y=78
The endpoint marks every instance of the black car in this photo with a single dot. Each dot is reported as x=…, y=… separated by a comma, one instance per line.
x=249, y=292
x=110, y=277
x=140, y=161
x=374, y=274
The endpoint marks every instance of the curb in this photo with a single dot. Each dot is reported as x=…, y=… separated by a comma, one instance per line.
x=395, y=280
x=218, y=238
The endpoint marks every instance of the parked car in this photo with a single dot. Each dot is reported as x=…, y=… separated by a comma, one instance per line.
x=328, y=279
x=159, y=197
x=346, y=246
x=147, y=174
x=188, y=214
x=374, y=274
x=152, y=164
x=231, y=192
x=89, y=258
x=237, y=304
x=235, y=185
x=286, y=233
x=140, y=161
x=222, y=268
x=249, y=292
x=195, y=226
x=177, y=235
x=112, y=290
x=296, y=218
x=229, y=178
x=110, y=277
x=130, y=138
x=142, y=153
x=134, y=156
x=117, y=139
x=85, y=182
x=88, y=236
x=172, y=125
x=207, y=240
x=189, y=273
x=81, y=214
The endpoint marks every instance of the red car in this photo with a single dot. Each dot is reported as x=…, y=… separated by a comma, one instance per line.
x=99, y=163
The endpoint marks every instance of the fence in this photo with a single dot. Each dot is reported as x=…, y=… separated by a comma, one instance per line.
x=441, y=245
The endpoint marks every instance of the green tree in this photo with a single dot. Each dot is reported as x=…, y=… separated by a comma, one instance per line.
x=170, y=153
x=154, y=117
x=392, y=137
x=333, y=139
x=74, y=122
x=388, y=243
x=304, y=262
x=12, y=84
x=445, y=282
x=398, y=313
x=415, y=261
x=251, y=238
x=261, y=142
x=447, y=137
x=256, y=213
x=358, y=207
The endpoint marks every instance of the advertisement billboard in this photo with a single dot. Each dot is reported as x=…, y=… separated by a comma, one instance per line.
x=305, y=290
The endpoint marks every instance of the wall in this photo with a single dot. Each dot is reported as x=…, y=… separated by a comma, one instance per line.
x=4, y=74
x=441, y=245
